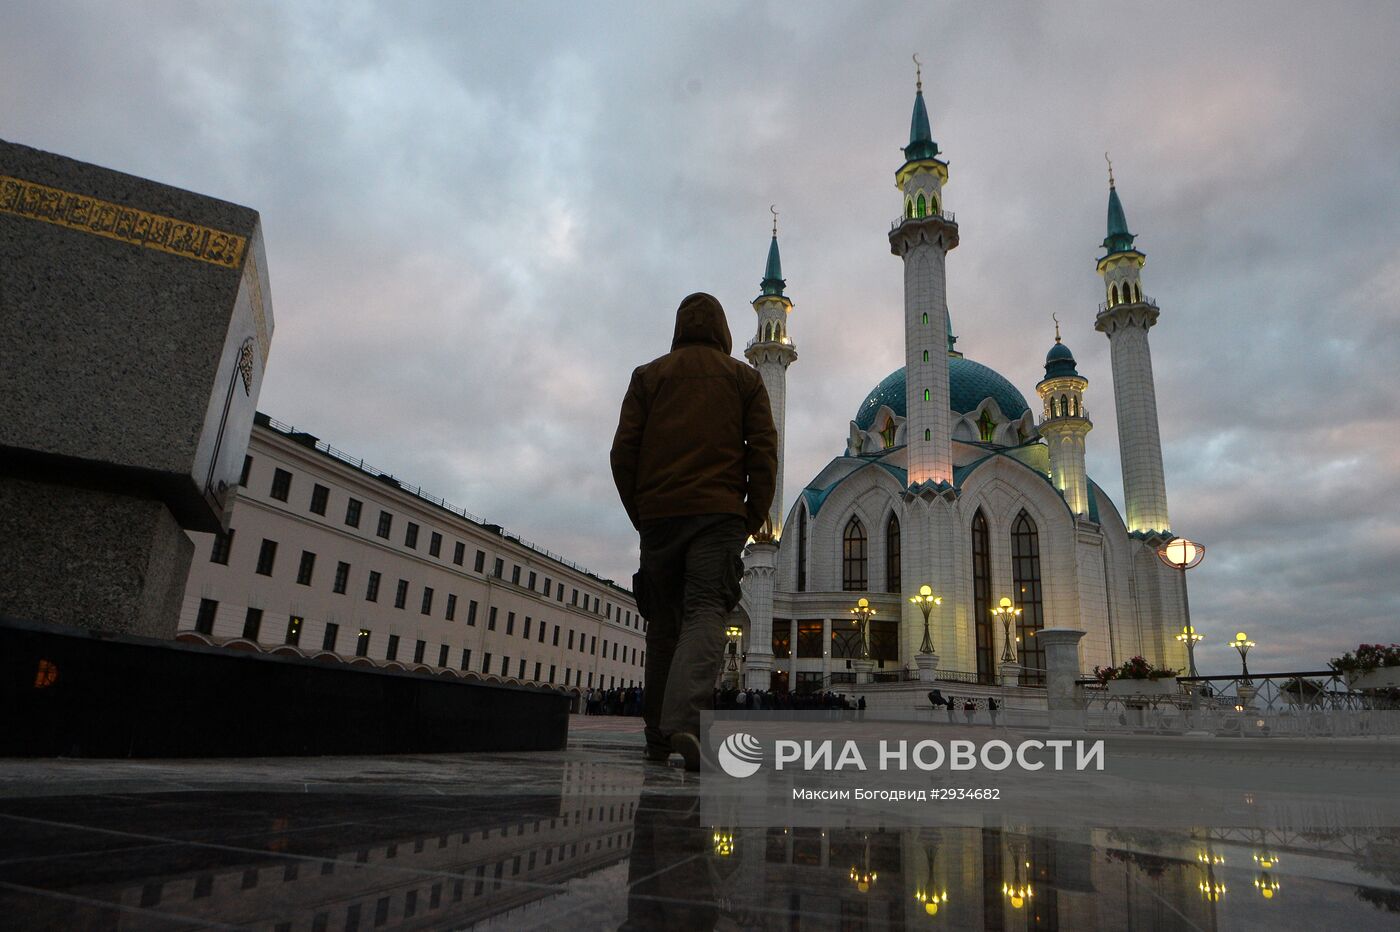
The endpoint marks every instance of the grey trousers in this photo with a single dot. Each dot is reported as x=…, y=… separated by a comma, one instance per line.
x=688, y=585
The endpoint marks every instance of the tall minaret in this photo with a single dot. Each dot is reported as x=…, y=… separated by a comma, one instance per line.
x=922, y=237
x=1065, y=423
x=1125, y=316
x=771, y=352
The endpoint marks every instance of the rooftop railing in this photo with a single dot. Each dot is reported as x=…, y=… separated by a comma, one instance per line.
x=419, y=492
x=945, y=214
x=1150, y=302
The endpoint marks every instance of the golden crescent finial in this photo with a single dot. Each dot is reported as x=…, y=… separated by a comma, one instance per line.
x=773, y=209
x=918, y=72
x=1056, y=318
x=1110, y=168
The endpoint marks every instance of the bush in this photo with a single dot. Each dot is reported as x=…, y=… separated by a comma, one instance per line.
x=1135, y=669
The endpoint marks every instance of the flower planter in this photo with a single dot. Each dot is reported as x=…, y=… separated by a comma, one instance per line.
x=1160, y=687
x=1379, y=678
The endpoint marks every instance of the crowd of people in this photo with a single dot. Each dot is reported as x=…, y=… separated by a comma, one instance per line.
x=620, y=700
x=730, y=697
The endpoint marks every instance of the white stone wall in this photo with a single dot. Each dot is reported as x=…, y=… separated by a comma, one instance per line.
x=258, y=516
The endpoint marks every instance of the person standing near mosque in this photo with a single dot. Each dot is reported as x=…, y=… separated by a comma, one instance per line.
x=695, y=461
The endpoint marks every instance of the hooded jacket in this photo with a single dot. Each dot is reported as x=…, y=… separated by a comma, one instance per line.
x=696, y=432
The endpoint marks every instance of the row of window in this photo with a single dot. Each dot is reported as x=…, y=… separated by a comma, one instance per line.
x=253, y=631
x=586, y=644
x=845, y=639
x=267, y=558
x=354, y=508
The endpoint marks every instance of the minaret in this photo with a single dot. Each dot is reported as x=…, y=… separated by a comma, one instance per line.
x=1065, y=423
x=922, y=237
x=771, y=352
x=1125, y=317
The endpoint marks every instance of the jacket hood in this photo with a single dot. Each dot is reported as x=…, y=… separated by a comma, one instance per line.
x=700, y=319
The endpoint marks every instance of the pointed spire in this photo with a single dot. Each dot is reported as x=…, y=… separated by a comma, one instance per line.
x=1118, y=238
x=921, y=144
x=1056, y=318
x=773, y=272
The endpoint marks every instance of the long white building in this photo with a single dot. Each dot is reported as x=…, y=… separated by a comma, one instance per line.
x=327, y=557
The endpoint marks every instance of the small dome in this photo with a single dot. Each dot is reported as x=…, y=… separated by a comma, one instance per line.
x=1059, y=361
x=968, y=383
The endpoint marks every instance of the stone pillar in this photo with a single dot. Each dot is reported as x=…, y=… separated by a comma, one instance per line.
x=928, y=667
x=760, y=572
x=1061, y=669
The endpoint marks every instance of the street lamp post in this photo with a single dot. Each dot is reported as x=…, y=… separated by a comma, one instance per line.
x=1189, y=635
x=1182, y=555
x=926, y=658
x=733, y=633
x=863, y=613
x=926, y=600
x=1242, y=643
x=1006, y=613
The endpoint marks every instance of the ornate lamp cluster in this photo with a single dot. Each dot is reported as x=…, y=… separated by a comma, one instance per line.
x=1005, y=612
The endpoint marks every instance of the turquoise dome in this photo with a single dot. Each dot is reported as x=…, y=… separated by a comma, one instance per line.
x=1059, y=361
x=968, y=382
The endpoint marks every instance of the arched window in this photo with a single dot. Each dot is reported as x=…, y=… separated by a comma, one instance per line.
x=933, y=204
x=909, y=207
x=892, y=580
x=887, y=435
x=925, y=355
x=926, y=395
x=853, y=562
x=1074, y=404
x=802, y=549
x=925, y=318
x=928, y=434
x=1064, y=405
x=986, y=426
x=1025, y=574
x=982, y=596
x=921, y=206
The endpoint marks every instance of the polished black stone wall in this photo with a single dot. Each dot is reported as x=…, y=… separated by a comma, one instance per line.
x=78, y=693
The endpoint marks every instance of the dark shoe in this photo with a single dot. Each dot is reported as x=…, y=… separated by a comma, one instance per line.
x=687, y=746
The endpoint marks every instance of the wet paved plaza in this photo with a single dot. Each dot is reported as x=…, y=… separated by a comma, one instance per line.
x=591, y=838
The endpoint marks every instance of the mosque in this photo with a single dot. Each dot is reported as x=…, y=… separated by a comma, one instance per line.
x=950, y=479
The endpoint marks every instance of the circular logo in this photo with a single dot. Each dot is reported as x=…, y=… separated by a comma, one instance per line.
x=740, y=755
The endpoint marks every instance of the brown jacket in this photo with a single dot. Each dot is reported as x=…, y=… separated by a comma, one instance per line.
x=696, y=434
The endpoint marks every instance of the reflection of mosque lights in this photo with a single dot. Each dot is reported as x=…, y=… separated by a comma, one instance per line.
x=723, y=843
x=1019, y=890
x=863, y=877
x=931, y=894
x=931, y=900
x=1265, y=882
x=1211, y=889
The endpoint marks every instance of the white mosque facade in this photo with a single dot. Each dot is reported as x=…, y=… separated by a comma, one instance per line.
x=950, y=478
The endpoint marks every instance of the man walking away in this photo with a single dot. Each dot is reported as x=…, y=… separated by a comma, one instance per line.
x=695, y=460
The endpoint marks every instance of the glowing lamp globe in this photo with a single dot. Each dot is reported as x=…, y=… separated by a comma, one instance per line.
x=1180, y=553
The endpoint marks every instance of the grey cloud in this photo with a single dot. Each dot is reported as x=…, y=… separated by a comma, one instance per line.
x=480, y=217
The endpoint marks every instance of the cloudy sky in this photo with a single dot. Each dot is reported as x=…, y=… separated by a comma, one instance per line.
x=479, y=217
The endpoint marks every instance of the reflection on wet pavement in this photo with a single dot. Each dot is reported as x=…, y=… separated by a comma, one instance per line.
x=591, y=838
